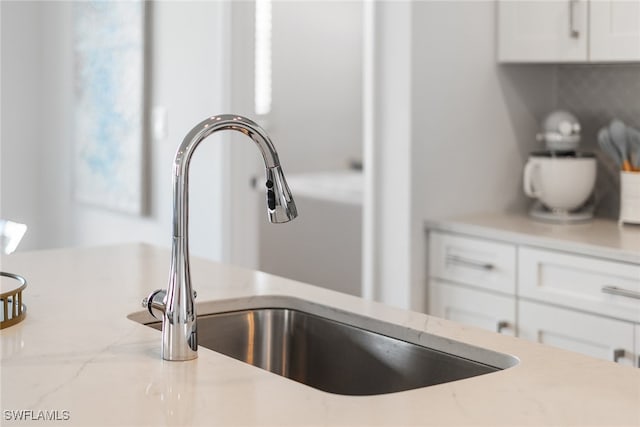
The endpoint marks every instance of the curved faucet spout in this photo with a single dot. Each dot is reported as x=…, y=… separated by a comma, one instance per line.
x=177, y=305
x=281, y=207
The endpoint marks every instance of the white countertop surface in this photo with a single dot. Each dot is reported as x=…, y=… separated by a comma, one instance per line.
x=598, y=237
x=78, y=352
x=342, y=186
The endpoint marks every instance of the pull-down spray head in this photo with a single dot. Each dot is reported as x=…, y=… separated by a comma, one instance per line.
x=280, y=204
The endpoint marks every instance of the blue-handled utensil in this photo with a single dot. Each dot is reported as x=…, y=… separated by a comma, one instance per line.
x=618, y=133
x=607, y=146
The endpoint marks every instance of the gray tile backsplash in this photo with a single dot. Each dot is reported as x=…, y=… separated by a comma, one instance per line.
x=596, y=94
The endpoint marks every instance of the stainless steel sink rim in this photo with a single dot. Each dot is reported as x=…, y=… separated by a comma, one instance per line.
x=231, y=339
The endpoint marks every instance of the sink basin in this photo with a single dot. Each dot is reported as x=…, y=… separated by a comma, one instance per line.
x=339, y=357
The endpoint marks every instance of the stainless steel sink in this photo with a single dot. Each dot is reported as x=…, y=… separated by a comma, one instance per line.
x=337, y=357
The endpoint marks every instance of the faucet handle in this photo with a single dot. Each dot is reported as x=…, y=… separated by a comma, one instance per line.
x=154, y=303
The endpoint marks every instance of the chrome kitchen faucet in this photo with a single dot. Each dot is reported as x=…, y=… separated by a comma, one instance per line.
x=176, y=305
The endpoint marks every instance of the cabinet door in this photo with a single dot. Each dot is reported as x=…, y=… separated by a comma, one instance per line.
x=472, y=307
x=614, y=30
x=588, y=334
x=542, y=31
x=599, y=286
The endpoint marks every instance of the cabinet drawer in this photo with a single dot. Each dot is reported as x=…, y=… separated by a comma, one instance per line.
x=599, y=286
x=584, y=333
x=475, y=262
x=493, y=312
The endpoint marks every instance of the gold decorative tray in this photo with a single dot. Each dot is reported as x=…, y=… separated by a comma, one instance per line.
x=12, y=308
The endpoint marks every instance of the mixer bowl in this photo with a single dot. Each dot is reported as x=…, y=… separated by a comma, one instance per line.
x=562, y=182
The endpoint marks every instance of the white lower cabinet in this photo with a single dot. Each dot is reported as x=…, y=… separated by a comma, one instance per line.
x=589, y=284
x=475, y=262
x=586, y=304
x=584, y=333
x=473, y=307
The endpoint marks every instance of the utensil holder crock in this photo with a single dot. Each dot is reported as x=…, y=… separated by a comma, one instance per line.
x=629, y=197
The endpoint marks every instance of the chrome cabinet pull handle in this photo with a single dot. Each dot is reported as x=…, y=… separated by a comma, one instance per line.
x=613, y=290
x=618, y=354
x=502, y=324
x=455, y=259
x=574, y=32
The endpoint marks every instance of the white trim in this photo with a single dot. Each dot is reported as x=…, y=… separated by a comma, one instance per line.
x=224, y=26
x=368, y=151
x=387, y=215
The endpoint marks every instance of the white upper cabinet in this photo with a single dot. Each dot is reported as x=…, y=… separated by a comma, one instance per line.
x=542, y=31
x=614, y=30
x=568, y=30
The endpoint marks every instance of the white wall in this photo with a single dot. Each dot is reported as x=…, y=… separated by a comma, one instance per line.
x=247, y=206
x=388, y=149
x=317, y=84
x=316, y=125
x=21, y=113
x=187, y=77
x=57, y=219
x=474, y=121
x=472, y=126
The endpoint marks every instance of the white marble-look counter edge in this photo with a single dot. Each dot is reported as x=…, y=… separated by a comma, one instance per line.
x=597, y=238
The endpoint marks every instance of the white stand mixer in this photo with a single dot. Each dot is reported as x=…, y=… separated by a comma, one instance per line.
x=561, y=178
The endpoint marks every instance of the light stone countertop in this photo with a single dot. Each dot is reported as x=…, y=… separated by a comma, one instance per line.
x=598, y=237
x=78, y=352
